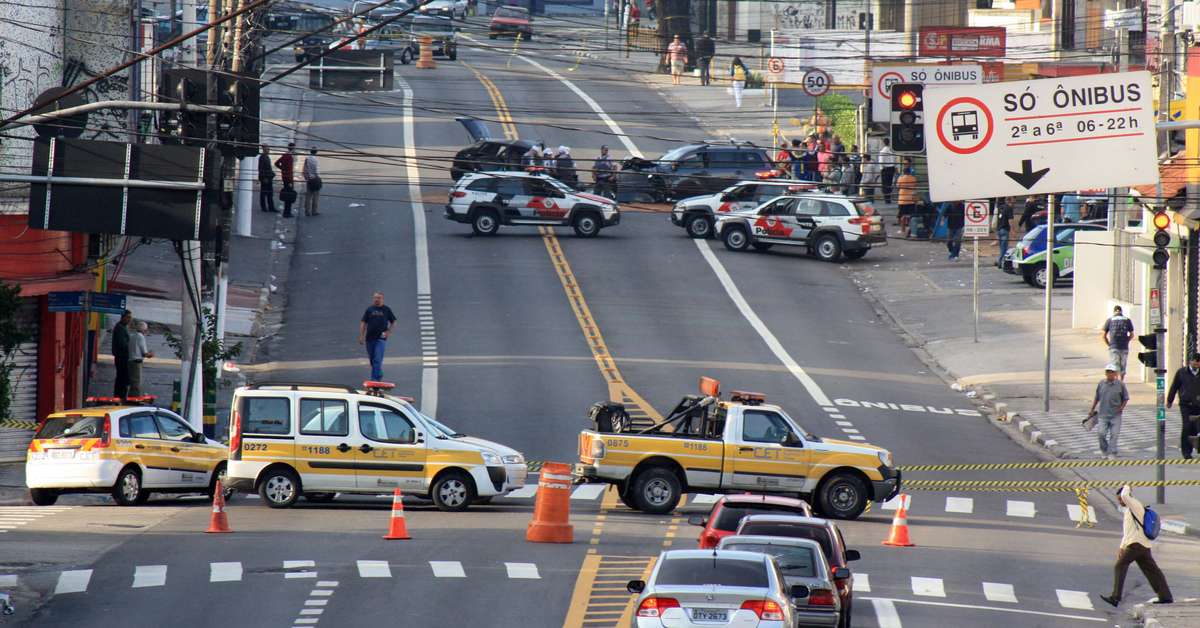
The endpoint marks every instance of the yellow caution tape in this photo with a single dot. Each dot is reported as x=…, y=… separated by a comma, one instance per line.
x=18, y=424
x=1058, y=464
x=1034, y=486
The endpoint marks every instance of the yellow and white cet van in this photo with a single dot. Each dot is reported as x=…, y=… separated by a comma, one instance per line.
x=128, y=451
x=288, y=440
x=711, y=446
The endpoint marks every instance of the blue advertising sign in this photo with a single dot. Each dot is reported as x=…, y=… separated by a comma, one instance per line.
x=107, y=303
x=66, y=301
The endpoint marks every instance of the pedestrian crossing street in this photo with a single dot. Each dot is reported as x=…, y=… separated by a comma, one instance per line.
x=14, y=517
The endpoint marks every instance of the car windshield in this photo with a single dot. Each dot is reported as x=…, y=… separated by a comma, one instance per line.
x=1034, y=234
x=792, y=560
x=793, y=530
x=71, y=427
x=445, y=430
x=711, y=571
x=731, y=515
x=510, y=12
x=674, y=155
x=864, y=208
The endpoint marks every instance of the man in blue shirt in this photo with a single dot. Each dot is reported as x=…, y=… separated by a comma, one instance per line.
x=373, y=331
x=1118, y=331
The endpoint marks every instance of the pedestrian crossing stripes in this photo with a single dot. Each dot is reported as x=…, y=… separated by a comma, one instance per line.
x=929, y=587
x=15, y=517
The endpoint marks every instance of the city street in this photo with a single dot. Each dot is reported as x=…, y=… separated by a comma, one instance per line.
x=502, y=337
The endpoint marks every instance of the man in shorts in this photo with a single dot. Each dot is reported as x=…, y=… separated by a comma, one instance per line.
x=677, y=56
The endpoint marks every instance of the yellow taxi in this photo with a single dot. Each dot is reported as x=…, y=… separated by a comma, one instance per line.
x=126, y=451
x=313, y=440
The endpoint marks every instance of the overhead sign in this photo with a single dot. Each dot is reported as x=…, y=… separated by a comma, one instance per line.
x=775, y=70
x=81, y=301
x=976, y=223
x=884, y=77
x=1128, y=19
x=962, y=41
x=1039, y=137
x=815, y=82
x=106, y=302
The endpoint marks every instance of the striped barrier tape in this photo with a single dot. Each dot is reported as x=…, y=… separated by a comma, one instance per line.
x=1034, y=486
x=1084, y=518
x=1058, y=464
x=18, y=424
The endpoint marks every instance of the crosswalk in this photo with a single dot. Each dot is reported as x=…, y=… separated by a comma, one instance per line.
x=998, y=592
x=1012, y=508
x=14, y=517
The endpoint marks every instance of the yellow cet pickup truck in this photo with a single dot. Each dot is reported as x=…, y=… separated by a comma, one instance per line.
x=706, y=445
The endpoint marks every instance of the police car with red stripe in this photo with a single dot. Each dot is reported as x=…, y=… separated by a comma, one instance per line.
x=698, y=214
x=487, y=200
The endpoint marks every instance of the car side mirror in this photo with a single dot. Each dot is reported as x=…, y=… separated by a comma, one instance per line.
x=418, y=437
x=841, y=573
x=199, y=438
x=852, y=555
x=636, y=586
x=799, y=590
x=725, y=198
x=698, y=520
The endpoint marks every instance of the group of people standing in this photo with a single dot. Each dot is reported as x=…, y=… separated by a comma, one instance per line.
x=287, y=194
x=559, y=165
x=129, y=352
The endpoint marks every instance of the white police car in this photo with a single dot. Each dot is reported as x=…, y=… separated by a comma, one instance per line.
x=827, y=225
x=487, y=200
x=697, y=214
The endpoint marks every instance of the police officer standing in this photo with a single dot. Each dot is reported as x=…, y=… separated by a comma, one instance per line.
x=1187, y=384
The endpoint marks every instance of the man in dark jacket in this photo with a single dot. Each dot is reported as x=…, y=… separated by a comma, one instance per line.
x=1032, y=206
x=266, y=175
x=955, y=218
x=706, y=49
x=1187, y=384
x=120, y=351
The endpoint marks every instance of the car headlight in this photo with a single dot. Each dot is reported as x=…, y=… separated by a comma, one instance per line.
x=514, y=459
x=598, y=449
x=885, y=458
x=490, y=458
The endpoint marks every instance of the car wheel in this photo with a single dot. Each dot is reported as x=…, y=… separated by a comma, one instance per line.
x=736, y=238
x=319, y=498
x=486, y=222
x=43, y=496
x=762, y=247
x=699, y=226
x=827, y=248
x=453, y=492
x=280, y=488
x=453, y=55
x=843, y=496
x=219, y=475
x=405, y=57
x=657, y=491
x=127, y=491
x=856, y=254
x=586, y=225
x=1039, y=276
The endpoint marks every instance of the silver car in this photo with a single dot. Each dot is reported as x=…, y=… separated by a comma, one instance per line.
x=802, y=562
x=706, y=588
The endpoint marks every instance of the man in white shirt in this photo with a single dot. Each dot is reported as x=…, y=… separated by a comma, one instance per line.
x=887, y=170
x=137, y=354
x=1135, y=547
x=312, y=183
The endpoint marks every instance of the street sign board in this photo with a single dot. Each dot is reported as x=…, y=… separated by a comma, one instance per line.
x=962, y=41
x=75, y=301
x=884, y=77
x=1038, y=137
x=976, y=223
x=775, y=68
x=815, y=82
x=107, y=302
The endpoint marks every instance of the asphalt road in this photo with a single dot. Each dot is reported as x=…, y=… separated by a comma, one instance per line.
x=512, y=365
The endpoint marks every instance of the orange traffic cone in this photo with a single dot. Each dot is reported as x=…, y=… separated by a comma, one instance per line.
x=899, y=535
x=552, y=509
x=398, y=530
x=219, y=522
x=425, y=56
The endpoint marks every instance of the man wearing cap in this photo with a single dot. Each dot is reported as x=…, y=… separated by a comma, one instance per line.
x=1187, y=384
x=1118, y=331
x=1107, y=406
x=1135, y=548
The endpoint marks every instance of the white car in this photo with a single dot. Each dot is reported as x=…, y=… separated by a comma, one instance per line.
x=486, y=200
x=827, y=225
x=697, y=214
x=447, y=8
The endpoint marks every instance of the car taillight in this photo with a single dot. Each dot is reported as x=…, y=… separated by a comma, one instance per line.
x=457, y=194
x=765, y=609
x=820, y=597
x=863, y=221
x=105, y=433
x=654, y=606
x=1025, y=251
x=235, y=435
x=709, y=540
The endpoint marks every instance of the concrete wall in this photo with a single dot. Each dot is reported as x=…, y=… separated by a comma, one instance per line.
x=98, y=38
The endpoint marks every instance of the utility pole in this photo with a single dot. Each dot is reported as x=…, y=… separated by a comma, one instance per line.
x=1165, y=89
x=1049, y=298
x=187, y=51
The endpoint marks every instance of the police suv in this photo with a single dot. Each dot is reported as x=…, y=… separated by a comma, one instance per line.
x=827, y=225
x=486, y=200
x=696, y=214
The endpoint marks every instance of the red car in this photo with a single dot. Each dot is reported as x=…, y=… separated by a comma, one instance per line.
x=727, y=513
x=511, y=21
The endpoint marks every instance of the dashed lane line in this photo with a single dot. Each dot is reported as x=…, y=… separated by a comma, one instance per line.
x=314, y=606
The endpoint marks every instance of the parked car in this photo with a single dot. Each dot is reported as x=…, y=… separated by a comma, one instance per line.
x=1029, y=256
x=696, y=588
x=448, y=9
x=696, y=169
x=511, y=21
x=487, y=153
x=729, y=510
x=824, y=532
x=828, y=226
x=696, y=214
x=802, y=562
x=486, y=200
x=441, y=31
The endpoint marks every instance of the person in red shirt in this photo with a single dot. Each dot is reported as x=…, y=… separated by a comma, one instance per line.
x=677, y=56
x=286, y=164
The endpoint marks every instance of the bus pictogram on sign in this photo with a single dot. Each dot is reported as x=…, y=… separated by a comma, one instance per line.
x=885, y=83
x=964, y=125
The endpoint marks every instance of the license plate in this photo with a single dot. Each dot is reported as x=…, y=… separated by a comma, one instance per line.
x=710, y=614
x=59, y=454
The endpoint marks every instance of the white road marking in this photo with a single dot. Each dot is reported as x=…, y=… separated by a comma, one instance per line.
x=929, y=587
x=885, y=613
x=982, y=608
x=850, y=430
x=1021, y=509
x=298, y=564
x=748, y=313
x=854, y=437
x=703, y=498
x=327, y=583
x=892, y=504
x=862, y=583
x=311, y=611
x=224, y=572
x=844, y=423
x=320, y=593
x=997, y=592
x=374, y=569
x=1074, y=599
x=837, y=416
x=529, y=490
x=588, y=491
x=8, y=581
x=960, y=504
x=1076, y=514
x=447, y=569
x=316, y=602
x=612, y=125
x=307, y=620
x=149, y=576
x=73, y=581
x=526, y=571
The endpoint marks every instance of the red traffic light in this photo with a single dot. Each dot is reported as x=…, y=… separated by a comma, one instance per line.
x=1162, y=220
x=906, y=99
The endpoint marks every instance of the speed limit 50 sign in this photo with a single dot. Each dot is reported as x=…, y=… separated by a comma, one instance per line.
x=815, y=82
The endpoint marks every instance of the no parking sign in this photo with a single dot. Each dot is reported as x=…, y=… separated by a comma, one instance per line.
x=976, y=223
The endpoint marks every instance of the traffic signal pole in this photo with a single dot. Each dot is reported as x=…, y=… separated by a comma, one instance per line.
x=1049, y=298
x=1160, y=384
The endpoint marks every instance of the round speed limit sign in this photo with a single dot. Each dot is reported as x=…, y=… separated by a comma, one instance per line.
x=815, y=82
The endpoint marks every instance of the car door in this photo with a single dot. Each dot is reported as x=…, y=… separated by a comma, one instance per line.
x=776, y=220
x=835, y=215
x=724, y=168
x=147, y=447
x=739, y=197
x=511, y=196
x=546, y=202
x=325, y=449
x=807, y=212
x=393, y=453
x=188, y=460
x=767, y=454
x=690, y=175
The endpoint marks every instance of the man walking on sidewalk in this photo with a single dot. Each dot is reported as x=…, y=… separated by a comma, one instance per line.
x=1118, y=331
x=266, y=177
x=1187, y=384
x=137, y=355
x=312, y=183
x=955, y=219
x=1107, y=406
x=373, y=331
x=1003, y=219
x=677, y=59
x=887, y=170
x=706, y=49
x=1135, y=548
x=120, y=351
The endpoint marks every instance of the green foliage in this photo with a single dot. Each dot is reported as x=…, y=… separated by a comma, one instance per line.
x=841, y=111
x=214, y=348
x=12, y=334
x=754, y=80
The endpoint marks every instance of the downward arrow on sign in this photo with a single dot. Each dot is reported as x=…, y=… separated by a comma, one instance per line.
x=1027, y=177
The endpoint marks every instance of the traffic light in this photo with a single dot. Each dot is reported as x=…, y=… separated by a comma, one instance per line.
x=1149, y=357
x=238, y=131
x=185, y=127
x=908, y=118
x=1162, y=239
